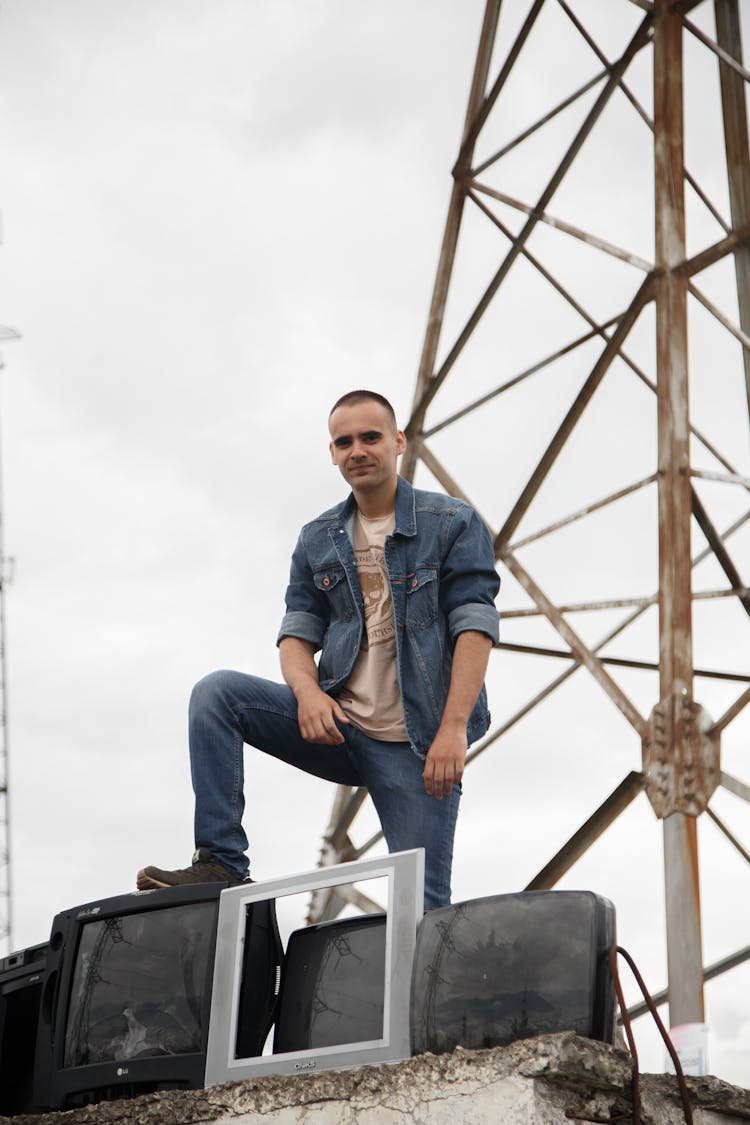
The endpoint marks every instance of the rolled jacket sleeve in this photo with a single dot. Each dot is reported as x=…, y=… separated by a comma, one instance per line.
x=305, y=626
x=478, y=618
x=306, y=614
x=469, y=582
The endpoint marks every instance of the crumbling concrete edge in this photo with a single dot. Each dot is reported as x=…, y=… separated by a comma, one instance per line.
x=590, y=1078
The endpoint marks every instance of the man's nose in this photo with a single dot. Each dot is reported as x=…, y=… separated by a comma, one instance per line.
x=359, y=450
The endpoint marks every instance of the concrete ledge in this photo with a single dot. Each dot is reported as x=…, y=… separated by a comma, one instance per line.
x=548, y=1080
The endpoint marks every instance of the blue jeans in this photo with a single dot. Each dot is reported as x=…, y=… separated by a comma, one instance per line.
x=228, y=709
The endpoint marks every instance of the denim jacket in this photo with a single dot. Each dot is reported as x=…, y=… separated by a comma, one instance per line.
x=443, y=581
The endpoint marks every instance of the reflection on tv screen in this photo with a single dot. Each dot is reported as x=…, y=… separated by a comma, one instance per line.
x=332, y=985
x=138, y=985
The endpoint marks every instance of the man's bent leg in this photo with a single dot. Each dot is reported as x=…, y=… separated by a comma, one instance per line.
x=228, y=709
x=409, y=817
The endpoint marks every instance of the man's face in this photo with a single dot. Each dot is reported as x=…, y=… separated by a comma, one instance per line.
x=365, y=445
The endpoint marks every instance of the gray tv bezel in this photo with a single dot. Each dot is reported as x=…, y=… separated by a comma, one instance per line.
x=405, y=874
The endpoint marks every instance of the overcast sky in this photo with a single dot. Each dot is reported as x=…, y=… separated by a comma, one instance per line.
x=218, y=216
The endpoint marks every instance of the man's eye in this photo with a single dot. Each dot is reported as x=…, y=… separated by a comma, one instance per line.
x=342, y=443
x=370, y=439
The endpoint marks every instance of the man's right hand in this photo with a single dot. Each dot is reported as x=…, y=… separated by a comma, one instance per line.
x=317, y=714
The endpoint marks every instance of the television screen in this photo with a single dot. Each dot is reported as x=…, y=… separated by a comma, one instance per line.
x=138, y=985
x=127, y=994
x=332, y=985
x=492, y=970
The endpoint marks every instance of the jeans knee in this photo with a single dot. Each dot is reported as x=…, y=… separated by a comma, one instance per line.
x=210, y=692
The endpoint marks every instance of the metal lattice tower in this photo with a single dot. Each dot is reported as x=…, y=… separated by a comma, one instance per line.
x=588, y=266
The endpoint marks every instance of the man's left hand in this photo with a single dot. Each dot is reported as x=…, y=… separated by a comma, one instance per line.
x=444, y=766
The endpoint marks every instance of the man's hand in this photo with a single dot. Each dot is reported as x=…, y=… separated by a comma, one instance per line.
x=444, y=766
x=317, y=714
x=446, y=757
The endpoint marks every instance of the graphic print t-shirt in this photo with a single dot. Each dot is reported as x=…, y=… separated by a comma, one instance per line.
x=371, y=697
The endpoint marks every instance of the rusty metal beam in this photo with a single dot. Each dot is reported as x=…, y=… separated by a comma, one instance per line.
x=551, y=687
x=688, y=269
x=545, y=273
x=692, y=265
x=681, y=7
x=364, y=848
x=731, y=713
x=734, y=106
x=450, y=236
x=346, y=808
x=734, y=241
x=701, y=437
x=726, y=57
x=637, y=105
x=516, y=379
x=567, y=228
x=718, y=547
x=540, y=123
x=682, y=887
x=441, y=474
x=622, y=662
x=734, y=785
x=683, y=911
x=724, y=478
x=474, y=126
x=710, y=973
x=672, y=398
x=577, y=646
x=589, y=832
x=581, y=513
x=622, y=603
x=729, y=835
x=722, y=318
x=701, y=261
x=638, y=41
x=602, y=365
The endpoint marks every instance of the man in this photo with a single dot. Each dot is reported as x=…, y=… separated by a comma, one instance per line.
x=395, y=587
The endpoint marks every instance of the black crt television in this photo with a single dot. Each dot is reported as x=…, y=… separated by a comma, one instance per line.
x=21, y=980
x=492, y=970
x=332, y=985
x=127, y=994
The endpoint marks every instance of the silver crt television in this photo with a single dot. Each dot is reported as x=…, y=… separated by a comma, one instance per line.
x=344, y=985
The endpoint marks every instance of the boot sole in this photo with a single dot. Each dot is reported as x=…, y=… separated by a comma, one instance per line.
x=146, y=882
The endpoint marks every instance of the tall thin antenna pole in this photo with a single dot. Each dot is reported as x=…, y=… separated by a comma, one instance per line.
x=6, y=917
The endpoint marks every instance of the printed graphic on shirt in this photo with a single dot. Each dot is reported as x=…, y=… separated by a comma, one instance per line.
x=376, y=595
x=371, y=699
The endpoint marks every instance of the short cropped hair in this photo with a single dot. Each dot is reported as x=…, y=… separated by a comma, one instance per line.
x=351, y=398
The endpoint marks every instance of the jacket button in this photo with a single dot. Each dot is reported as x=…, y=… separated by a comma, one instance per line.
x=326, y=581
x=414, y=582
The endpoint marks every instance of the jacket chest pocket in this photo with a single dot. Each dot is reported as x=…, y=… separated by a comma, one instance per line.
x=422, y=598
x=332, y=584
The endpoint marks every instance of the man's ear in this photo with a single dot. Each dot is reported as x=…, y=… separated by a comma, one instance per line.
x=330, y=450
x=400, y=441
